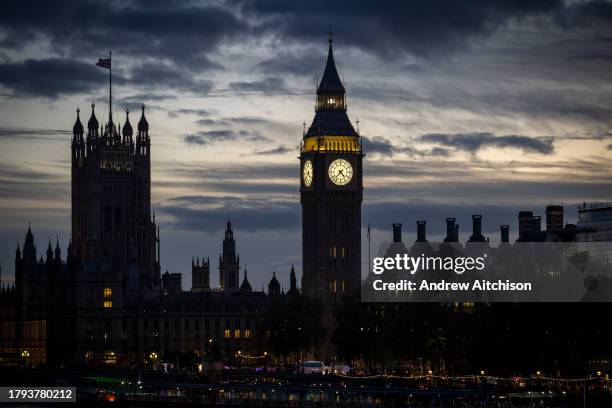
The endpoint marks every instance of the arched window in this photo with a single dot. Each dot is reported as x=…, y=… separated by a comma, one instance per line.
x=118, y=222
x=107, y=217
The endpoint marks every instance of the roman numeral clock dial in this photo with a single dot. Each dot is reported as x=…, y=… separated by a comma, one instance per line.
x=340, y=172
x=307, y=173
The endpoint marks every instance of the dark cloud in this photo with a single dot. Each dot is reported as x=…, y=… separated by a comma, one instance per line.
x=267, y=85
x=419, y=27
x=137, y=99
x=23, y=183
x=237, y=170
x=12, y=133
x=473, y=142
x=306, y=62
x=169, y=76
x=384, y=147
x=274, y=151
x=197, y=213
x=50, y=77
x=248, y=121
x=377, y=144
x=224, y=135
x=180, y=32
x=211, y=122
x=185, y=111
x=609, y=147
x=586, y=14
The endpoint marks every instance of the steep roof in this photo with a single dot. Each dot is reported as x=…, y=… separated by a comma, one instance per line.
x=330, y=82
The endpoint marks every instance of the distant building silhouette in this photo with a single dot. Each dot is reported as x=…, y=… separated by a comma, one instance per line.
x=229, y=262
x=421, y=231
x=554, y=219
x=452, y=230
x=477, y=229
x=504, y=233
x=107, y=302
x=200, y=275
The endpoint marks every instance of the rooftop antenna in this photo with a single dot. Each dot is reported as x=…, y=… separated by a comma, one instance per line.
x=304, y=128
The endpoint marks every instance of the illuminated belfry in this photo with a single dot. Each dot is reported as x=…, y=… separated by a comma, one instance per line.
x=331, y=130
x=331, y=194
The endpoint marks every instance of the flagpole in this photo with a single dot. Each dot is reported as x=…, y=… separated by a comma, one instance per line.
x=110, y=85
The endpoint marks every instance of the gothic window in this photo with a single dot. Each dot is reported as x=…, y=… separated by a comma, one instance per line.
x=107, y=217
x=108, y=292
x=117, y=220
x=332, y=286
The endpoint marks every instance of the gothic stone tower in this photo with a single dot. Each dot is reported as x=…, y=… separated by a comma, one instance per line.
x=331, y=195
x=113, y=236
x=200, y=275
x=115, y=243
x=229, y=262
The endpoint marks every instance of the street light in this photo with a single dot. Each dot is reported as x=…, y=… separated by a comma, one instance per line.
x=153, y=358
x=26, y=354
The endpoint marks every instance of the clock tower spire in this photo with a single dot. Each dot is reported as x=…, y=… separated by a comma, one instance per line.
x=331, y=194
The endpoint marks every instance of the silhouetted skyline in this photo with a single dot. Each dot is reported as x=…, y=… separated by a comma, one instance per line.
x=490, y=111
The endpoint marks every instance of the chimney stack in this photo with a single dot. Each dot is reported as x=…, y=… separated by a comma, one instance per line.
x=421, y=231
x=505, y=233
x=477, y=229
x=452, y=230
x=397, y=232
x=476, y=224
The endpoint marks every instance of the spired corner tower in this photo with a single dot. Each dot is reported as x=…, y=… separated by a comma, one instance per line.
x=331, y=195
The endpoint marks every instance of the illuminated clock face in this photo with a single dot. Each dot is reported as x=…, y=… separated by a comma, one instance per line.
x=340, y=172
x=307, y=173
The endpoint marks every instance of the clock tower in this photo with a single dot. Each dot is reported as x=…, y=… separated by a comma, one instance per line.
x=331, y=190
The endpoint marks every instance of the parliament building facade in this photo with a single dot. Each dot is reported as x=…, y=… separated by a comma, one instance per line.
x=106, y=300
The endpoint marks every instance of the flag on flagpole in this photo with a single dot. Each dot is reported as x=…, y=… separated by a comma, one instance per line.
x=104, y=63
x=368, y=232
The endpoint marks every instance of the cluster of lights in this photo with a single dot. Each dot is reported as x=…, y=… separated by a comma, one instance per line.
x=599, y=376
x=240, y=355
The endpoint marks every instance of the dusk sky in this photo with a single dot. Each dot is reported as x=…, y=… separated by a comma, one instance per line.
x=465, y=108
